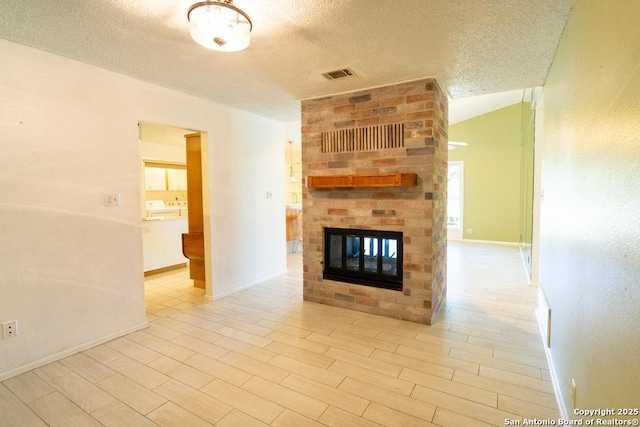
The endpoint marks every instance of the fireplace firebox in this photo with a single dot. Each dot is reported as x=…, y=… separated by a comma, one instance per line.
x=365, y=257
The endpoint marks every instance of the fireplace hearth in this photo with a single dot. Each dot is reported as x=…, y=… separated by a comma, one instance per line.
x=365, y=257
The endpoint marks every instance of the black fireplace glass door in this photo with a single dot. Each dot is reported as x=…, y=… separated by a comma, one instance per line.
x=335, y=251
x=389, y=257
x=371, y=255
x=353, y=253
x=367, y=257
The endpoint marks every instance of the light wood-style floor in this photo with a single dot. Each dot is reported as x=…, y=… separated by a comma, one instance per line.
x=264, y=357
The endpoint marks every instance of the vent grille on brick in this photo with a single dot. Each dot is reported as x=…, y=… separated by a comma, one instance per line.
x=367, y=138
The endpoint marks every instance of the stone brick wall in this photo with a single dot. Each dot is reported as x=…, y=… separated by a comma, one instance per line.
x=419, y=212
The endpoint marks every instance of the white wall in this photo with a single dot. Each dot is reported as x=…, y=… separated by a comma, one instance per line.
x=590, y=234
x=159, y=151
x=70, y=268
x=248, y=228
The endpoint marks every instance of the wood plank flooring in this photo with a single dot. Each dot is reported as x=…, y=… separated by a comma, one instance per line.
x=263, y=357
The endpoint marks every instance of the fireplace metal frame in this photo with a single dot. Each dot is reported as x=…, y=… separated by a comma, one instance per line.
x=361, y=276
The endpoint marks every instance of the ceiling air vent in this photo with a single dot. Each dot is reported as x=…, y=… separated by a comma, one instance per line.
x=338, y=74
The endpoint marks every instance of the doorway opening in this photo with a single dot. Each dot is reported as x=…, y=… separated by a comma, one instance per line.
x=455, y=200
x=293, y=185
x=166, y=207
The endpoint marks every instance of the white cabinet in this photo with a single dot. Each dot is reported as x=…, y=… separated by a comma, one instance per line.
x=165, y=178
x=177, y=179
x=155, y=178
x=162, y=243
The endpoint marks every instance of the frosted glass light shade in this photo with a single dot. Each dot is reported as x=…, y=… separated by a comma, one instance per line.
x=219, y=26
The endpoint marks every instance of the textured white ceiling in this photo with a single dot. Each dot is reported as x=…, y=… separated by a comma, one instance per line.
x=472, y=47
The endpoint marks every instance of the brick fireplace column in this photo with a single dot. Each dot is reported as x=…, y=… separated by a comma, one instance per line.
x=331, y=128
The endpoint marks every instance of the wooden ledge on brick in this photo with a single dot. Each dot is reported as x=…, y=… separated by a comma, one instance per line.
x=363, y=181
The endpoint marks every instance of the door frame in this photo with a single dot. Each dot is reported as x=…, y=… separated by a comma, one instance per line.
x=455, y=233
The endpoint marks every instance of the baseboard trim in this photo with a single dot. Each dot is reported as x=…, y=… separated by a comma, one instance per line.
x=54, y=357
x=527, y=273
x=564, y=414
x=165, y=269
x=492, y=242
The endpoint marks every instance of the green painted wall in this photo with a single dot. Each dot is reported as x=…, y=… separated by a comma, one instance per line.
x=589, y=228
x=492, y=169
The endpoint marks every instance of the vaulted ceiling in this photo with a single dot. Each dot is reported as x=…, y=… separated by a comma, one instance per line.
x=472, y=47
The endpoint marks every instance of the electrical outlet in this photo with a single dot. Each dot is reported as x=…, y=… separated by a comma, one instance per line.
x=574, y=392
x=111, y=199
x=10, y=329
x=469, y=230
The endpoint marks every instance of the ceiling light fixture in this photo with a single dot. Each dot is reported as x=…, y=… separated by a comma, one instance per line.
x=454, y=144
x=219, y=25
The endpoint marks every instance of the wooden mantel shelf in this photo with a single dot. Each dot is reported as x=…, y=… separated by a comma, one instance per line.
x=362, y=181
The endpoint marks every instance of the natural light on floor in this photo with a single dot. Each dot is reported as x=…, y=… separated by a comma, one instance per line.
x=264, y=357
